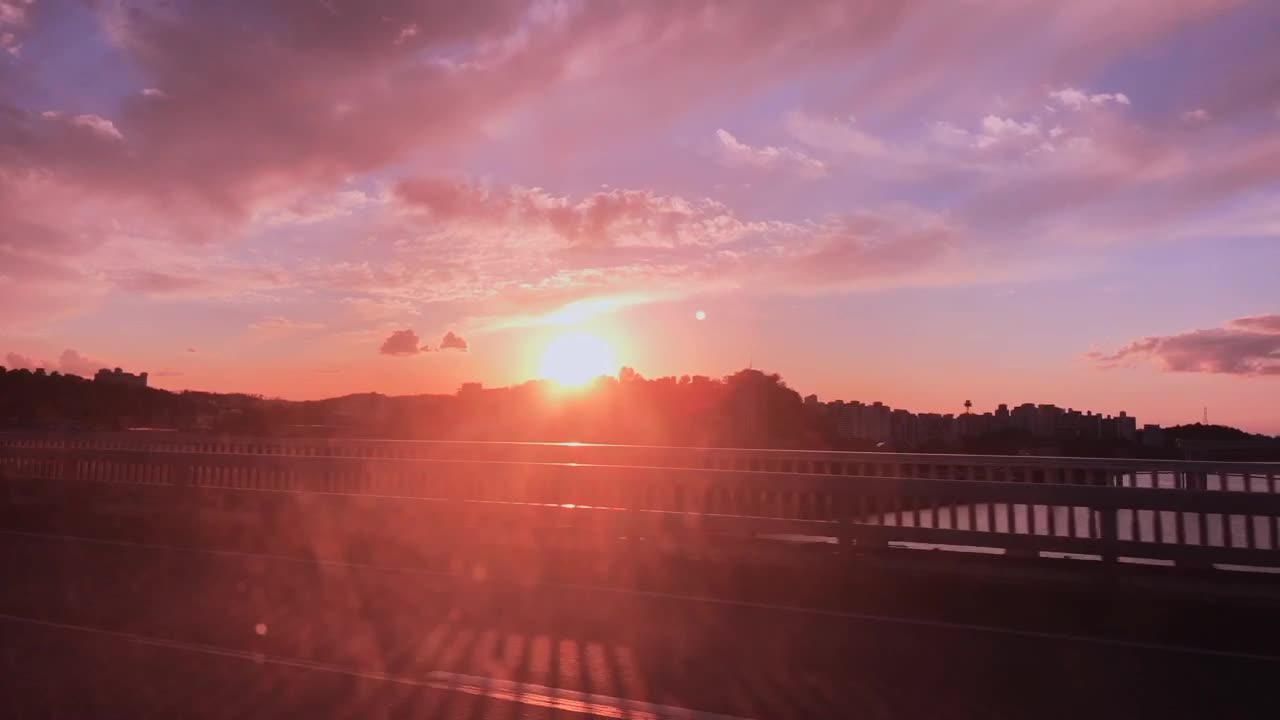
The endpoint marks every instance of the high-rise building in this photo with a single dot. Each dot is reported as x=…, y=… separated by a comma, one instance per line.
x=877, y=422
x=1108, y=429
x=903, y=428
x=1126, y=427
x=1091, y=426
x=1023, y=417
x=970, y=425
x=1152, y=436
x=934, y=427
x=1045, y=421
x=877, y=425
x=849, y=420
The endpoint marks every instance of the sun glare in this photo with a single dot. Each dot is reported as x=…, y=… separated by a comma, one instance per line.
x=577, y=359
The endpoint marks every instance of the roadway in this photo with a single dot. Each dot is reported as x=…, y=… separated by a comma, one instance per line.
x=141, y=627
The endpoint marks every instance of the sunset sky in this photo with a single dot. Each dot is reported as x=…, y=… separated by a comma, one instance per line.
x=915, y=202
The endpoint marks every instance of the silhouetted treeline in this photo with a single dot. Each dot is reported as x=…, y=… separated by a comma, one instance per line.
x=749, y=408
x=1210, y=433
x=35, y=399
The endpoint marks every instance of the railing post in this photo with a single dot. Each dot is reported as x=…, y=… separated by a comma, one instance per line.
x=1108, y=533
x=66, y=468
x=844, y=514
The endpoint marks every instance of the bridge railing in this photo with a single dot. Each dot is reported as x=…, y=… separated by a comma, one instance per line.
x=1255, y=477
x=1187, y=527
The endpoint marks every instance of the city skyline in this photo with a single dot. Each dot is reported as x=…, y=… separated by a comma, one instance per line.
x=913, y=202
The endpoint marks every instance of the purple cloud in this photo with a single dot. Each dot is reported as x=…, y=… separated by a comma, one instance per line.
x=1245, y=346
x=406, y=342
x=450, y=341
x=1258, y=323
x=401, y=343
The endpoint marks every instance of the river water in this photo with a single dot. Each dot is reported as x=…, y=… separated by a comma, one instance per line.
x=1143, y=525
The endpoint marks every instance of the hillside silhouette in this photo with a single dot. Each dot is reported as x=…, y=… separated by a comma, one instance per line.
x=749, y=408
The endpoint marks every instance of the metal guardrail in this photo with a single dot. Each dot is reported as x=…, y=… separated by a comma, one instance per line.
x=1186, y=526
x=1259, y=477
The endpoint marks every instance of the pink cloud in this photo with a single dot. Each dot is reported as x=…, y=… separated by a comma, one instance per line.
x=326, y=93
x=218, y=280
x=1077, y=99
x=1196, y=116
x=1138, y=180
x=634, y=229
x=349, y=90
x=340, y=98
x=70, y=362
x=13, y=23
x=863, y=249
x=545, y=275
x=280, y=327
x=737, y=154
x=14, y=361
x=97, y=124
x=155, y=282
x=604, y=219
x=1151, y=187
x=1267, y=324
x=37, y=285
x=833, y=135
x=1246, y=346
x=355, y=88
x=451, y=341
x=74, y=363
x=315, y=208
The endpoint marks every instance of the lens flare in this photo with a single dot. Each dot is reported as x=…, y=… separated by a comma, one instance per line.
x=577, y=359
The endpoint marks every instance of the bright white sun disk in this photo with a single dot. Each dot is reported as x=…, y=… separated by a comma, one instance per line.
x=577, y=359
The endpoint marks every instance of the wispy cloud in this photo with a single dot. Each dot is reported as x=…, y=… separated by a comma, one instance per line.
x=1077, y=99
x=609, y=218
x=271, y=328
x=1196, y=116
x=833, y=135
x=526, y=268
x=732, y=152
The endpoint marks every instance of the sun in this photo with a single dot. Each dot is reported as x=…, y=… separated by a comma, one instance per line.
x=577, y=359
